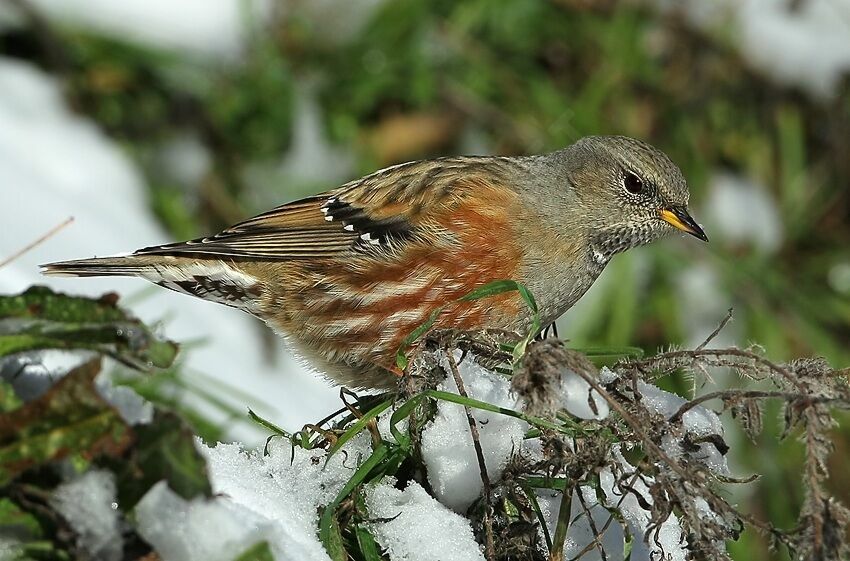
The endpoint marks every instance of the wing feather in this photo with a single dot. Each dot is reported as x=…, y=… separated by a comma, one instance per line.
x=380, y=210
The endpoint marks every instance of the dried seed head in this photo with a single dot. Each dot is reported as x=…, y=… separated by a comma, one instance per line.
x=538, y=380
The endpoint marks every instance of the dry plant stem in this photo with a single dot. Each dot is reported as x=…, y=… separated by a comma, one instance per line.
x=635, y=426
x=597, y=538
x=750, y=394
x=351, y=408
x=656, y=450
x=717, y=331
x=644, y=365
x=593, y=527
x=37, y=242
x=490, y=547
x=328, y=435
x=647, y=364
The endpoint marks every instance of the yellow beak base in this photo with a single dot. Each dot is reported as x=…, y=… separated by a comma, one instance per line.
x=679, y=218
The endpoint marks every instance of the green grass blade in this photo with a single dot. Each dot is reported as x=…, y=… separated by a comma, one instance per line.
x=368, y=546
x=532, y=498
x=358, y=426
x=268, y=424
x=574, y=429
x=326, y=522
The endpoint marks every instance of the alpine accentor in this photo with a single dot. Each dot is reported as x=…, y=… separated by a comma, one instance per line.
x=348, y=274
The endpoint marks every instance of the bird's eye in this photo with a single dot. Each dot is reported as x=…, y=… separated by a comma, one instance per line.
x=633, y=183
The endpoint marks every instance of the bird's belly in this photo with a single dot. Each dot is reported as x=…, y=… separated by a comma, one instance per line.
x=360, y=314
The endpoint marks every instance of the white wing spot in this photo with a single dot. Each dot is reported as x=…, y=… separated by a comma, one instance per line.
x=348, y=227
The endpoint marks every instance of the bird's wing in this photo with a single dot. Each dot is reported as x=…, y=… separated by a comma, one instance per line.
x=380, y=211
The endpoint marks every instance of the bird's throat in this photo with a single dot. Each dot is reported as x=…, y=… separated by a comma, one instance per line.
x=608, y=242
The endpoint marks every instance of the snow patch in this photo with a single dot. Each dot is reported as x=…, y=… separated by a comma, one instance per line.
x=447, y=445
x=277, y=497
x=577, y=396
x=666, y=540
x=416, y=527
x=196, y=530
x=213, y=30
x=743, y=213
x=800, y=44
x=88, y=504
x=584, y=517
x=273, y=498
x=698, y=422
x=132, y=407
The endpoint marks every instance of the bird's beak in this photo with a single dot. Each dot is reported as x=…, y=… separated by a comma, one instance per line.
x=678, y=217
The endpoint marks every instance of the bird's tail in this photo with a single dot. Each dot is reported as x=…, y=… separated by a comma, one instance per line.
x=210, y=279
x=114, y=266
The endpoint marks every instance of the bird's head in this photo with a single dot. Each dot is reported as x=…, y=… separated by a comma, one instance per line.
x=627, y=192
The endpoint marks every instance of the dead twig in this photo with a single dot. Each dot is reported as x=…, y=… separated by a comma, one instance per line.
x=50, y=233
x=717, y=330
x=754, y=394
x=490, y=548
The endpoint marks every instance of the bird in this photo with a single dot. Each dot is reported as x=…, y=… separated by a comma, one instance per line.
x=346, y=275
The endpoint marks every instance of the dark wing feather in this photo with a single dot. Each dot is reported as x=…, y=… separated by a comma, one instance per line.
x=380, y=210
x=292, y=231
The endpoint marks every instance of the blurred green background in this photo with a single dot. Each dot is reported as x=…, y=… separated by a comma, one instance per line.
x=323, y=92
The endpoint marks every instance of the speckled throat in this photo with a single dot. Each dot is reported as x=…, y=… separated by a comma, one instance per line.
x=608, y=242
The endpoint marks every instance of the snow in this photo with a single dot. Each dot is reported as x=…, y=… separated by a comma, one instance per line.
x=447, y=445
x=272, y=498
x=807, y=47
x=698, y=422
x=576, y=396
x=283, y=492
x=54, y=164
x=134, y=409
x=580, y=533
x=743, y=213
x=209, y=31
x=277, y=497
x=666, y=541
x=212, y=30
x=415, y=527
x=88, y=504
x=32, y=374
x=592, y=516
x=195, y=530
